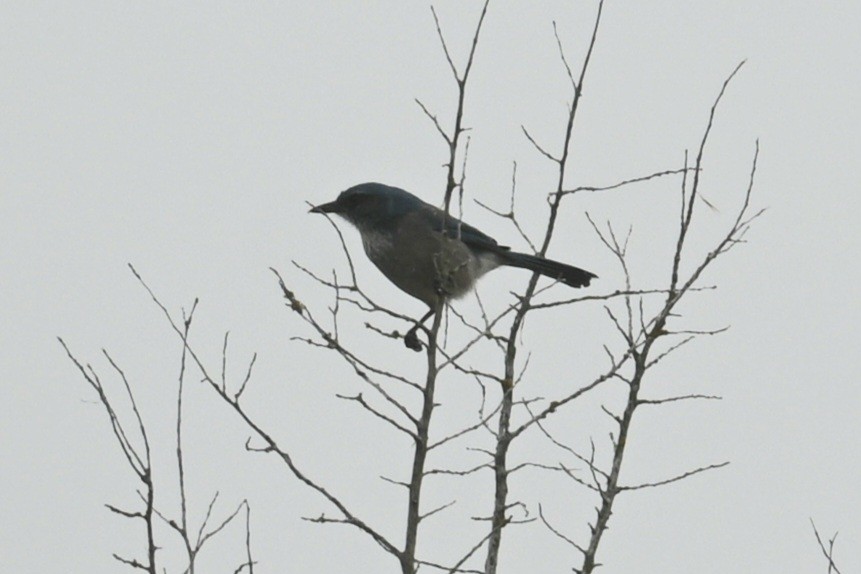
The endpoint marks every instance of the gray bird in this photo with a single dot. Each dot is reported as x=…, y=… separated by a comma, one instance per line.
x=427, y=254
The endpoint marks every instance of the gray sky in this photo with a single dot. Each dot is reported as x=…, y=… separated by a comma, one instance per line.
x=188, y=139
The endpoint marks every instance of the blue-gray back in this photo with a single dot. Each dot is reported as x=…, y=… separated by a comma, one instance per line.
x=399, y=202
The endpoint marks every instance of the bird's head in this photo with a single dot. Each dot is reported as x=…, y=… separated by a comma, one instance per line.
x=369, y=204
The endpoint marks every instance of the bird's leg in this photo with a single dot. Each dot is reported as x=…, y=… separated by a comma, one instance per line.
x=411, y=339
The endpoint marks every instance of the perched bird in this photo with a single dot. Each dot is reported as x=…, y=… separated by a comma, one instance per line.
x=428, y=254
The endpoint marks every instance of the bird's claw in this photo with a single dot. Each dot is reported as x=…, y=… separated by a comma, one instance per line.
x=411, y=341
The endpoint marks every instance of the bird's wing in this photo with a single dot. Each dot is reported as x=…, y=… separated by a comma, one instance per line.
x=454, y=227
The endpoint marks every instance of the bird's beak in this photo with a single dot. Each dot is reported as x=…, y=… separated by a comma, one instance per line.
x=331, y=207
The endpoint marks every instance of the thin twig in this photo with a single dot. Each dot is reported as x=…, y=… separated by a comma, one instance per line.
x=827, y=552
x=676, y=478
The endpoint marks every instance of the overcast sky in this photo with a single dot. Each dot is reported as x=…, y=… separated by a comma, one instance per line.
x=187, y=139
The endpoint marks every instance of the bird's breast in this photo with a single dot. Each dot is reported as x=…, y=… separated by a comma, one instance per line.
x=378, y=246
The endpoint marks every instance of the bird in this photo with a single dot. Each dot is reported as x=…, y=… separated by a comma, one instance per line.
x=428, y=253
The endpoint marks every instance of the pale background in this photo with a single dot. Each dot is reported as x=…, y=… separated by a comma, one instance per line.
x=188, y=139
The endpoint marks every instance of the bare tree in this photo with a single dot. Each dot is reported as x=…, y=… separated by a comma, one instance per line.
x=646, y=320
x=139, y=459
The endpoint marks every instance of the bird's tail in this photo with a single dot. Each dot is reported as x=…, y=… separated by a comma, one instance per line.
x=568, y=274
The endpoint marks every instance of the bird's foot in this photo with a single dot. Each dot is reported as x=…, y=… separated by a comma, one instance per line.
x=411, y=340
